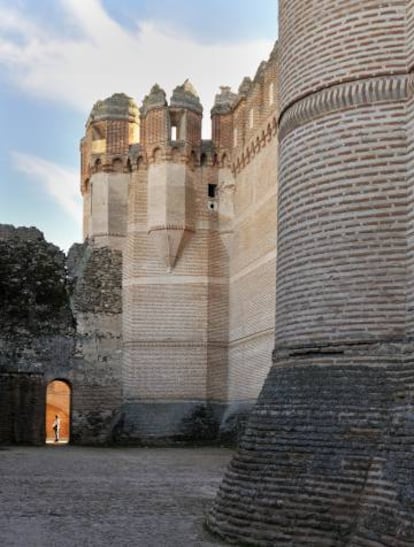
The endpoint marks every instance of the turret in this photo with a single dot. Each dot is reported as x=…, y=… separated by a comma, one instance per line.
x=171, y=140
x=112, y=126
x=222, y=119
x=186, y=116
x=154, y=119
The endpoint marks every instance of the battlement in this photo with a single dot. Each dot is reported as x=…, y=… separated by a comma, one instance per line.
x=112, y=127
x=171, y=132
x=119, y=136
x=244, y=122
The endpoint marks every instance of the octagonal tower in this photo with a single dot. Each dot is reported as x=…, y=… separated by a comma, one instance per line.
x=112, y=127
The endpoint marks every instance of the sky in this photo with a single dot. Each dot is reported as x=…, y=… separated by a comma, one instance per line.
x=57, y=57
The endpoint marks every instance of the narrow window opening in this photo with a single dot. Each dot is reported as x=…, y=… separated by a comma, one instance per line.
x=212, y=190
x=271, y=93
x=174, y=133
x=251, y=118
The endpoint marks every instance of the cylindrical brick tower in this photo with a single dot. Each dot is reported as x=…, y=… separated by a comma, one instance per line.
x=327, y=456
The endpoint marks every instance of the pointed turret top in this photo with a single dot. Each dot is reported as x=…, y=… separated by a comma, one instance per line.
x=260, y=71
x=117, y=107
x=245, y=86
x=155, y=99
x=186, y=96
x=224, y=101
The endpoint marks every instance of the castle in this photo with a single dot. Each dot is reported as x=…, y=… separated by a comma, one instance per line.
x=195, y=221
x=172, y=295
x=326, y=458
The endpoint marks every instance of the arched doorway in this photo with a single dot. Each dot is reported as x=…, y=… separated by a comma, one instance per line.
x=58, y=395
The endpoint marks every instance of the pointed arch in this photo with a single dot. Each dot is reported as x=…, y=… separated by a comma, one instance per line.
x=97, y=166
x=117, y=165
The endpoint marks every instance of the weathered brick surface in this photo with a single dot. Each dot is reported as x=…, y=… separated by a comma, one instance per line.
x=191, y=261
x=323, y=464
x=326, y=458
x=244, y=135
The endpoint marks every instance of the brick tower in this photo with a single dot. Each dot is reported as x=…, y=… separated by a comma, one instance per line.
x=112, y=127
x=327, y=456
x=193, y=222
x=166, y=281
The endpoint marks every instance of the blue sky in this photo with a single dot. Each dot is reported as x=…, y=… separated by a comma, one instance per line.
x=57, y=57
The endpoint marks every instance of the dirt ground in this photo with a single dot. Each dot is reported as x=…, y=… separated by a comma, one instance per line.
x=73, y=496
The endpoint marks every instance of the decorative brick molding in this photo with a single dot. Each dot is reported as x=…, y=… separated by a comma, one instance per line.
x=392, y=88
x=256, y=144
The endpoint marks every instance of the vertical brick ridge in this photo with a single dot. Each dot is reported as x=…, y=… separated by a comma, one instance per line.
x=326, y=458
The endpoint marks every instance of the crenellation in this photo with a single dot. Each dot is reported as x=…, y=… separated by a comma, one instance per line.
x=244, y=123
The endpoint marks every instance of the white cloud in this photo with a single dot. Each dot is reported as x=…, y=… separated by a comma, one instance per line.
x=59, y=183
x=106, y=58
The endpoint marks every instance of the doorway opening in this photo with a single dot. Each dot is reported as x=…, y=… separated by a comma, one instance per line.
x=58, y=396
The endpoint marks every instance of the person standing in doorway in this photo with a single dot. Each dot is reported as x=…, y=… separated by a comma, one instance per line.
x=56, y=428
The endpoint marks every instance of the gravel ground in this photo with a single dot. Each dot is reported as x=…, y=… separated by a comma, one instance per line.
x=74, y=496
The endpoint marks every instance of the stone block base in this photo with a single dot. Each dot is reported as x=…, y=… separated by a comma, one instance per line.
x=326, y=457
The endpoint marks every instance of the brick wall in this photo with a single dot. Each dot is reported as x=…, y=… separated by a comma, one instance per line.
x=166, y=277
x=198, y=271
x=249, y=214
x=327, y=453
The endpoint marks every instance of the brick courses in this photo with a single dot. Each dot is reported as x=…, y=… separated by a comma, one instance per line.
x=326, y=458
x=198, y=271
x=188, y=227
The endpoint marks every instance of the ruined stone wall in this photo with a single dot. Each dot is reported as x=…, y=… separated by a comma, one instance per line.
x=22, y=409
x=36, y=330
x=95, y=367
x=61, y=321
x=326, y=458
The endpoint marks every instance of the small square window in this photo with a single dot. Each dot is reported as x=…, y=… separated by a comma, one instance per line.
x=212, y=190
